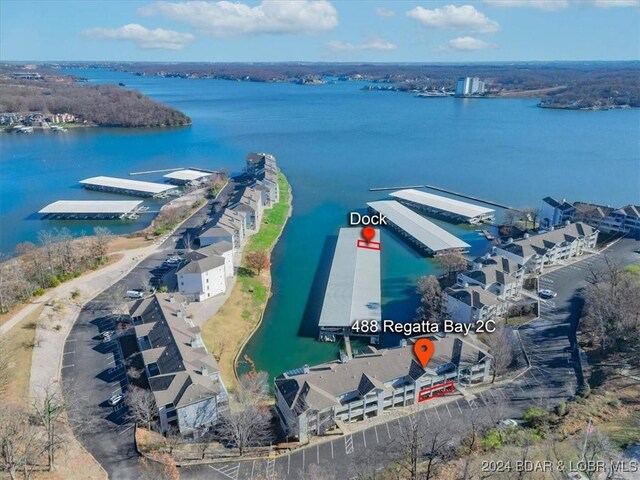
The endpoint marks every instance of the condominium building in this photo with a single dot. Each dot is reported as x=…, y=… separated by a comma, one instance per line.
x=203, y=277
x=183, y=376
x=535, y=252
x=312, y=400
x=469, y=303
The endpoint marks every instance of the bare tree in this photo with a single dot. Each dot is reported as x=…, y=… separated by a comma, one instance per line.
x=253, y=388
x=250, y=424
x=142, y=406
x=417, y=441
x=257, y=261
x=430, y=298
x=246, y=428
x=500, y=346
x=101, y=238
x=508, y=222
x=452, y=262
x=172, y=438
x=21, y=443
x=612, y=305
x=49, y=408
x=530, y=215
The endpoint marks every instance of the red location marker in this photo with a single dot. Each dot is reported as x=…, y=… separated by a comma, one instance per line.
x=423, y=349
x=368, y=233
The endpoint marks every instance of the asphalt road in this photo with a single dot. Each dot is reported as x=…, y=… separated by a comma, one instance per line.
x=91, y=367
x=93, y=370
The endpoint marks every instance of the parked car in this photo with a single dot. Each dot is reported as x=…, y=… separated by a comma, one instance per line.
x=508, y=422
x=116, y=399
x=546, y=293
x=135, y=294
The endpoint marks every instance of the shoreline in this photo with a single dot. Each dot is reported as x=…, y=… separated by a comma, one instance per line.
x=270, y=283
x=227, y=332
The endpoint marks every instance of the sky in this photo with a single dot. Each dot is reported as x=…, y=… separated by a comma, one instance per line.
x=319, y=30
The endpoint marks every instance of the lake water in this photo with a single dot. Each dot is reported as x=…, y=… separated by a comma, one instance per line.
x=333, y=142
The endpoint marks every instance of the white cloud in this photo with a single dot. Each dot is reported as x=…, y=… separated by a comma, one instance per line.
x=384, y=12
x=465, y=18
x=142, y=36
x=551, y=5
x=539, y=4
x=226, y=18
x=466, y=44
x=375, y=45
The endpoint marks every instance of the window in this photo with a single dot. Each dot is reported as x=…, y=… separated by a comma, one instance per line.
x=153, y=369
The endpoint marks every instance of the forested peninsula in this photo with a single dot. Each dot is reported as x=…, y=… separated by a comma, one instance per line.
x=39, y=98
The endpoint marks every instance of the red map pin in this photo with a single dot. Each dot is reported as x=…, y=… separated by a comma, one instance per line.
x=423, y=349
x=368, y=233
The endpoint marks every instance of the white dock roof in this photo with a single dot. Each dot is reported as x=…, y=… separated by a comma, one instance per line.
x=91, y=206
x=126, y=184
x=427, y=233
x=187, y=175
x=445, y=204
x=353, y=289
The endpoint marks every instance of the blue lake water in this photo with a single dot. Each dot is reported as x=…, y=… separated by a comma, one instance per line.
x=333, y=142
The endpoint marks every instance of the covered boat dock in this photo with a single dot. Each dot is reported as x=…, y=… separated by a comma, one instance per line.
x=353, y=290
x=129, y=187
x=416, y=229
x=186, y=177
x=92, y=209
x=444, y=206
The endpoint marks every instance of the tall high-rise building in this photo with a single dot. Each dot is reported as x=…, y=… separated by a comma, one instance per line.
x=469, y=86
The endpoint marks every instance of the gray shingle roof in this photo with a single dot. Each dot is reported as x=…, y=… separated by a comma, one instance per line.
x=473, y=295
x=176, y=349
x=202, y=265
x=541, y=243
x=366, y=372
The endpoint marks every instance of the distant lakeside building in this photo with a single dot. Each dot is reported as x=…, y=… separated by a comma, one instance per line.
x=607, y=219
x=468, y=86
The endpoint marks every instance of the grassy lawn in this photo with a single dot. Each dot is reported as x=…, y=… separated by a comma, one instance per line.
x=20, y=344
x=224, y=333
x=273, y=220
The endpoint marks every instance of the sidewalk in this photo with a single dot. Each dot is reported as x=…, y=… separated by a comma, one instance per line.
x=81, y=283
x=55, y=322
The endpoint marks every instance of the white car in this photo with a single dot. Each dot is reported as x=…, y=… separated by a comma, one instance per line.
x=116, y=399
x=546, y=293
x=508, y=422
x=135, y=294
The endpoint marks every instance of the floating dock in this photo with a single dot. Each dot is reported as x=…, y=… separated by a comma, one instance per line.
x=444, y=206
x=94, y=209
x=128, y=187
x=353, y=291
x=186, y=176
x=416, y=229
x=381, y=189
